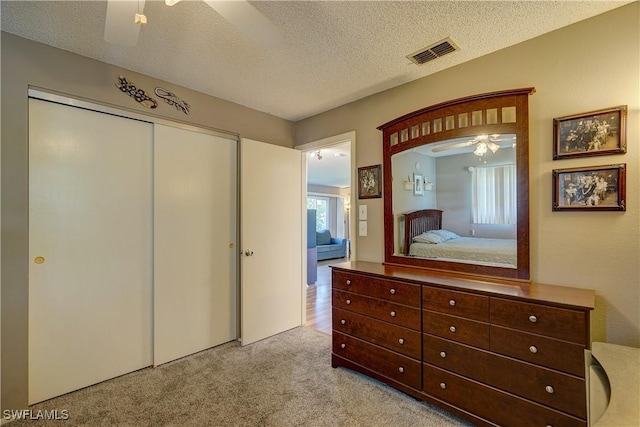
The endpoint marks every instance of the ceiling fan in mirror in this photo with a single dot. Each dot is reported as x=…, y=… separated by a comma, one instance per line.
x=125, y=17
x=482, y=144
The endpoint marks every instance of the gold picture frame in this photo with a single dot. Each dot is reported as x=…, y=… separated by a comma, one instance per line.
x=370, y=182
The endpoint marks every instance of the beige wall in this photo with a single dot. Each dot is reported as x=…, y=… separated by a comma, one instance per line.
x=26, y=63
x=588, y=66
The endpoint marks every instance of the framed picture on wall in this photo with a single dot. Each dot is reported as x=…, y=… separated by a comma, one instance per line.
x=597, y=133
x=418, y=184
x=598, y=188
x=370, y=182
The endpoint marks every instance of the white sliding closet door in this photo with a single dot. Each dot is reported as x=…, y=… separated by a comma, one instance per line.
x=195, y=251
x=271, y=267
x=89, y=247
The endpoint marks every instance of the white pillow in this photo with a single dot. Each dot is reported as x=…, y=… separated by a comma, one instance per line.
x=445, y=234
x=428, y=237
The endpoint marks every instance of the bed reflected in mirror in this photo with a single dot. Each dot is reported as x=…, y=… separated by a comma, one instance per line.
x=466, y=208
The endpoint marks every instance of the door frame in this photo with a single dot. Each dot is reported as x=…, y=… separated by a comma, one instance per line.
x=325, y=143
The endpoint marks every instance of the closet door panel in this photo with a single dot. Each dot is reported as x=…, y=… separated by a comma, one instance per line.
x=89, y=247
x=195, y=250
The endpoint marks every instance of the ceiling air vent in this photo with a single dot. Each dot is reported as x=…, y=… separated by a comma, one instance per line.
x=434, y=51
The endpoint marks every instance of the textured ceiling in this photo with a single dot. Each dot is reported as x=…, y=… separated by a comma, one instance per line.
x=332, y=52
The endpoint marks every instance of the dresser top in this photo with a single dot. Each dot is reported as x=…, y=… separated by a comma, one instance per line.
x=561, y=295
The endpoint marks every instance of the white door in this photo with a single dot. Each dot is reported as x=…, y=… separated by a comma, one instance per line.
x=195, y=255
x=89, y=248
x=271, y=264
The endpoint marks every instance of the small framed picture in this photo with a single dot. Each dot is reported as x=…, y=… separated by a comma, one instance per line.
x=597, y=133
x=599, y=188
x=418, y=184
x=370, y=182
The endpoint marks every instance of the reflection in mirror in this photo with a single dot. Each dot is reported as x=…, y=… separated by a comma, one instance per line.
x=442, y=173
x=456, y=200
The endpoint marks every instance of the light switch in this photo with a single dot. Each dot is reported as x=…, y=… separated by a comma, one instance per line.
x=362, y=212
x=362, y=228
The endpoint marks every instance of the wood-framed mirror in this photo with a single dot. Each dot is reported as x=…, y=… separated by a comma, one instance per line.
x=456, y=186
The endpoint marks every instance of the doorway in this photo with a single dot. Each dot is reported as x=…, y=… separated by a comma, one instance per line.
x=329, y=165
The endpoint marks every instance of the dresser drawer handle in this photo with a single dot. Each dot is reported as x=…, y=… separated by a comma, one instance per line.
x=443, y=354
x=393, y=314
x=452, y=328
x=549, y=389
x=452, y=302
x=343, y=322
x=348, y=301
x=348, y=282
x=443, y=386
x=401, y=369
x=401, y=341
x=392, y=291
x=343, y=345
x=533, y=319
x=533, y=349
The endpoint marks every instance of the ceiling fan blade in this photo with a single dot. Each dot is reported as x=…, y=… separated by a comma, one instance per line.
x=454, y=146
x=249, y=21
x=119, y=26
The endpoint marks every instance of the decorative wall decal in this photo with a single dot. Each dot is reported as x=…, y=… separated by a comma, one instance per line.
x=171, y=99
x=136, y=93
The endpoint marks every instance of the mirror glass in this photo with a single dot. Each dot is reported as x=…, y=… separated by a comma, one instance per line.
x=471, y=183
x=456, y=186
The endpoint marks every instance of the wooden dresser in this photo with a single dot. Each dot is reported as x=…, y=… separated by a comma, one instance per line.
x=496, y=353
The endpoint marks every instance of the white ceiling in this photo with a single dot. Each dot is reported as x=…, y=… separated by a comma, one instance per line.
x=332, y=52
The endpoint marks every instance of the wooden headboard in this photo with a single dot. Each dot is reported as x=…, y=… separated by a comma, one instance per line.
x=417, y=222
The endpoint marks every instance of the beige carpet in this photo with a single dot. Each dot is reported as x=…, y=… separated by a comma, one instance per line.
x=285, y=380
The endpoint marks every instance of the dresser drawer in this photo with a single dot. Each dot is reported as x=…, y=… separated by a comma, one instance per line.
x=389, y=290
x=556, y=354
x=396, y=338
x=560, y=323
x=456, y=303
x=566, y=393
x=491, y=404
x=391, y=365
x=456, y=329
x=397, y=314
